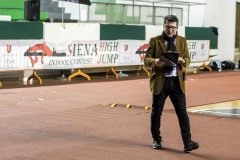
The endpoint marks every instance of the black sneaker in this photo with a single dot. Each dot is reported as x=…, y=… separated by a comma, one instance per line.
x=157, y=145
x=191, y=145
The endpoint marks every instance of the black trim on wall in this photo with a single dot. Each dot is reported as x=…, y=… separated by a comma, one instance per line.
x=115, y=31
x=21, y=30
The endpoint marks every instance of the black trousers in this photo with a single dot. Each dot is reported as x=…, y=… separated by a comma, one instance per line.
x=171, y=88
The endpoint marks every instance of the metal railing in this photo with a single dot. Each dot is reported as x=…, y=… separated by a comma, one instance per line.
x=133, y=11
x=130, y=14
x=125, y=13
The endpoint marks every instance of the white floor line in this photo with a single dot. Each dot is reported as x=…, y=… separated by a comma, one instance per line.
x=217, y=112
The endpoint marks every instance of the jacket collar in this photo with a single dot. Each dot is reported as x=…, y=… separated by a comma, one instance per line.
x=161, y=41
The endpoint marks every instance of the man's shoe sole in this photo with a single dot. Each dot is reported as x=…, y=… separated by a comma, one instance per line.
x=157, y=147
x=188, y=150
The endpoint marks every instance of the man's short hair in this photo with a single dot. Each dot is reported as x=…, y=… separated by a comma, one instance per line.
x=170, y=18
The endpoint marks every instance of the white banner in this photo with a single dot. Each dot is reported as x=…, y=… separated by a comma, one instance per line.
x=37, y=54
x=13, y=54
x=199, y=50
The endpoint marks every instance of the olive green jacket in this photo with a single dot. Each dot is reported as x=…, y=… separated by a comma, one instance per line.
x=156, y=48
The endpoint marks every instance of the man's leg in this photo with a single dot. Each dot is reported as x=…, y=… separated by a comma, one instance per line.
x=157, y=108
x=179, y=102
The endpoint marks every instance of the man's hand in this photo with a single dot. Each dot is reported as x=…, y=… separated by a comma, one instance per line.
x=181, y=60
x=159, y=63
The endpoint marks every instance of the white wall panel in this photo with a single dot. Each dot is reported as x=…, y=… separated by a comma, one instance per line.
x=222, y=14
x=64, y=32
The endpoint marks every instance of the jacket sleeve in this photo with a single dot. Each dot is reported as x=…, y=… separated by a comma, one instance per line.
x=186, y=54
x=149, y=59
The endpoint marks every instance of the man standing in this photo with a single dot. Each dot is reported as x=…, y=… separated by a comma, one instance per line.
x=169, y=81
